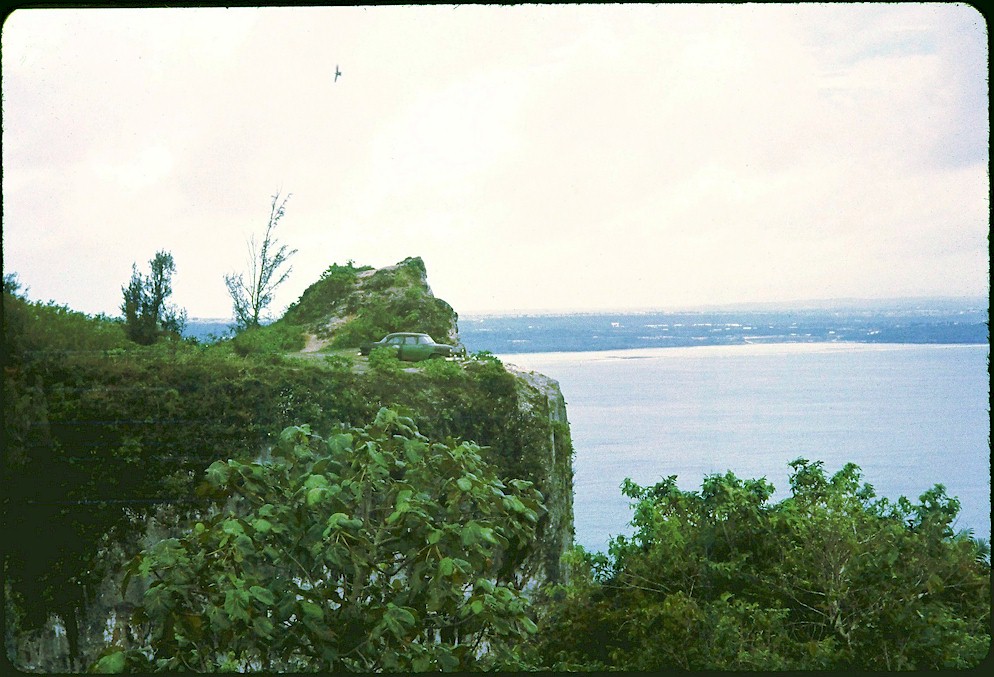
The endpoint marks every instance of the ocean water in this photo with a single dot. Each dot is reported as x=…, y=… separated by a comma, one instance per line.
x=911, y=416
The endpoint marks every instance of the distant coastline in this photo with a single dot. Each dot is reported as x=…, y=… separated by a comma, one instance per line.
x=914, y=321
x=621, y=331
x=895, y=304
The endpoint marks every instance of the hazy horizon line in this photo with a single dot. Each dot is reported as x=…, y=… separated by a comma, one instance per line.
x=840, y=303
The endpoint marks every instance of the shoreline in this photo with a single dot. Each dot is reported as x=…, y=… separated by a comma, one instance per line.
x=771, y=348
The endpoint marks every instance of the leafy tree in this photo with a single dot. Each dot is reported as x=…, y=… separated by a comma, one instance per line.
x=829, y=578
x=250, y=298
x=370, y=550
x=12, y=285
x=146, y=313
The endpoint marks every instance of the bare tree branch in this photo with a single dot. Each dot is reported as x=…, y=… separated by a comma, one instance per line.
x=266, y=262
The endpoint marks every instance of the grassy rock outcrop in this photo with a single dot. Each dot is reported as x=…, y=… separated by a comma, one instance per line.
x=350, y=305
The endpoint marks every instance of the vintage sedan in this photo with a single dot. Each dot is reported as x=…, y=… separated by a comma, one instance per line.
x=413, y=347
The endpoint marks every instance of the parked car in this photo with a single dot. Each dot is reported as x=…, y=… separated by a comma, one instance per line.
x=413, y=347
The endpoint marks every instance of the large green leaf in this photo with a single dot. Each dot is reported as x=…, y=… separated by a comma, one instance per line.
x=262, y=626
x=236, y=604
x=311, y=611
x=264, y=595
x=110, y=664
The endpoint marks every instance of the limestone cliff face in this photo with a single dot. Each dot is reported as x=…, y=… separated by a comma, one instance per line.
x=73, y=644
x=540, y=396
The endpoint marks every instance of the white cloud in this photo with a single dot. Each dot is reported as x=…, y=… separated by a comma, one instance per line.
x=152, y=164
x=443, y=144
x=535, y=156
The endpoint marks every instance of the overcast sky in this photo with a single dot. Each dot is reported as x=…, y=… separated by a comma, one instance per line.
x=539, y=157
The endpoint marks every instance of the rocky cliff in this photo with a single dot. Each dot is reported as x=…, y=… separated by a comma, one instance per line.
x=64, y=603
x=540, y=396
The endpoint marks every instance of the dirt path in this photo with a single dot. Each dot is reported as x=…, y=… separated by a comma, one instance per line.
x=313, y=344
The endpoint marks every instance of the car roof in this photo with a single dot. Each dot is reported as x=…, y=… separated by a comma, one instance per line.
x=406, y=333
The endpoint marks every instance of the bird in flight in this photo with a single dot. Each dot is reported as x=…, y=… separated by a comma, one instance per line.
x=337, y=72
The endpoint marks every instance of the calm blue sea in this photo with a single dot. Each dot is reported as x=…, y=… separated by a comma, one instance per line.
x=911, y=416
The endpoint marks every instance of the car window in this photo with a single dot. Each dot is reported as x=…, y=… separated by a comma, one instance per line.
x=395, y=340
x=424, y=339
x=410, y=340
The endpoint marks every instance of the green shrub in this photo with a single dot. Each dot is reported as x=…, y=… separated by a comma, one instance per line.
x=384, y=361
x=31, y=328
x=486, y=356
x=339, y=363
x=274, y=338
x=442, y=369
x=827, y=579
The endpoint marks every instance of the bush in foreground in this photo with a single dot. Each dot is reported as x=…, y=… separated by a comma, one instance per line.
x=370, y=550
x=829, y=578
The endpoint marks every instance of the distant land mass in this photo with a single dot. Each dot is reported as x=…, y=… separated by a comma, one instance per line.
x=939, y=304
x=926, y=303
x=919, y=321
x=208, y=329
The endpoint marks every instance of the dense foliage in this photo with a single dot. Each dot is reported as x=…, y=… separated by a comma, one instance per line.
x=97, y=429
x=34, y=330
x=373, y=549
x=95, y=426
x=829, y=578
x=276, y=338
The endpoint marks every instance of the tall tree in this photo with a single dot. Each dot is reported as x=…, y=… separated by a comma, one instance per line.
x=147, y=315
x=250, y=298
